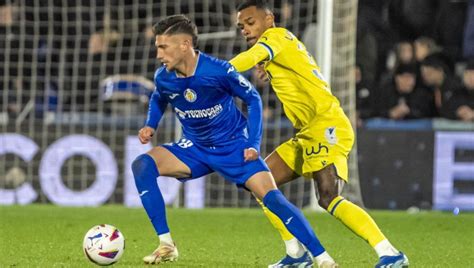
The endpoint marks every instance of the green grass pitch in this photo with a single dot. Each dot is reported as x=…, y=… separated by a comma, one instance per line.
x=51, y=236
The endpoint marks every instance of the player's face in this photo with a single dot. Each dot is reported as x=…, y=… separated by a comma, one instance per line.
x=171, y=49
x=253, y=23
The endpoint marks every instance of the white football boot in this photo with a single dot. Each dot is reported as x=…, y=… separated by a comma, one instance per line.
x=164, y=253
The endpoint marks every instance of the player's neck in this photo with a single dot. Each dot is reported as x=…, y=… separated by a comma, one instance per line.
x=188, y=65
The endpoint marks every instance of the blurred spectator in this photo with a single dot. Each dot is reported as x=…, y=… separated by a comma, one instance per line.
x=364, y=100
x=366, y=53
x=6, y=21
x=437, y=74
x=468, y=46
x=16, y=78
x=462, y=101
x=99, y=42
x=374, y=38
x=403, y=53
x=6, y=14
x=412, y=18
x=425, y=46
x=402, y=99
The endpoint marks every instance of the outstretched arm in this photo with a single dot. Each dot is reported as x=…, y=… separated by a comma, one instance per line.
x=248, y=59
x=268, y=46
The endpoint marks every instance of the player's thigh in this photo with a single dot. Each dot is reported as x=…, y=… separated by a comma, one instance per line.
x=325, y=143
x=260, y=184
x=279, y=167
x=168, y=164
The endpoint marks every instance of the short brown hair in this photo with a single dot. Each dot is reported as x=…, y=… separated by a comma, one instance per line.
x=176, y=24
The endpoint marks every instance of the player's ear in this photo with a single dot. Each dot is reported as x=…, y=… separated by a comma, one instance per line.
x=186, y=44
x=269, y=20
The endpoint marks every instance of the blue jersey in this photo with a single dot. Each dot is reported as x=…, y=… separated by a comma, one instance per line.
x=205, y=106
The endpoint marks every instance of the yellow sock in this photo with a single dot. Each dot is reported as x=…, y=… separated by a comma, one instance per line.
x=276, y=222
x=356, y=219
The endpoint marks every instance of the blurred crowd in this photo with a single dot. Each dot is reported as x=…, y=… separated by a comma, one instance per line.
x=415, y=59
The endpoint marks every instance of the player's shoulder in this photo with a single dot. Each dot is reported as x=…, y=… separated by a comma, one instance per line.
x=160, y=72
x=277, y=33
x=214, y=66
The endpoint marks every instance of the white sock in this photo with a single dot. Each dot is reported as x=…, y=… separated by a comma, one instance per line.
x=384, y=248
x=294, y=248
x=166, y=239
x=323, y=257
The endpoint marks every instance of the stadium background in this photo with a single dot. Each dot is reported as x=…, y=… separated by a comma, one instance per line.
x=74, y=84
x=74, y=81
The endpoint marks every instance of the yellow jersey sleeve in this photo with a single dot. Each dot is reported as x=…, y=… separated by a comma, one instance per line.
x=274, y=40
x=267, y=47
x=248, y=59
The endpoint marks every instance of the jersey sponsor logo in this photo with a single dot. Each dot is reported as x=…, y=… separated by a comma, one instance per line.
x=190, y=95
x=318, y=150
x=200, y=113
x=180, y=113
x=330, y=134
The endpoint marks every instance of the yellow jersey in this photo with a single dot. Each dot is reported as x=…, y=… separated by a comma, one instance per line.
x=294, y=76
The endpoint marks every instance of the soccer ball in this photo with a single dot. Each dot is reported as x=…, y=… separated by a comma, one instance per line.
x=103, y=244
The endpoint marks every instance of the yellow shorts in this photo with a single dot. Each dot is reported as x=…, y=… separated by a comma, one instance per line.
x=323, y=142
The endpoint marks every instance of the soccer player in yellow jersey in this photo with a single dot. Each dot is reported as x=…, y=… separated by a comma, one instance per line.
x=320, y=148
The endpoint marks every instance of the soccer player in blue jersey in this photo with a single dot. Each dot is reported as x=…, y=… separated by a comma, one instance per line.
x=216, y=135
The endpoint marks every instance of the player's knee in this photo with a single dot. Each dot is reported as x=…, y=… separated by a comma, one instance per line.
x=142, y=164
x=325, y=198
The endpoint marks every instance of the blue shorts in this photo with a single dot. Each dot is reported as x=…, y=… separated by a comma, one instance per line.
x=226, y=160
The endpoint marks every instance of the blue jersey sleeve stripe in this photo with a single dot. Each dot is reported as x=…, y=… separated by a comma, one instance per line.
x=268, y=48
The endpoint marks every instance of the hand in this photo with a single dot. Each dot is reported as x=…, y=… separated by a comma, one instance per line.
x=465, y=113
x=145, y=134
x=250, y=154
x=260, y=72
x=399, y=111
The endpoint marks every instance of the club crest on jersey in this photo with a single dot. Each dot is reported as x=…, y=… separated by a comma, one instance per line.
x=190, y=95
x=330, y=134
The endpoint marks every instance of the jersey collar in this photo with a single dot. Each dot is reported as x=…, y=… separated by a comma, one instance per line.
x=195, y=67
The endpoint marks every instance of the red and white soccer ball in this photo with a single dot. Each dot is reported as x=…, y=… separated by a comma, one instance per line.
x=104, y=244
